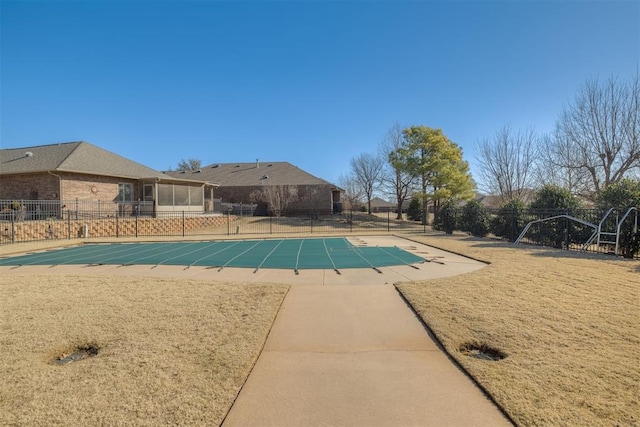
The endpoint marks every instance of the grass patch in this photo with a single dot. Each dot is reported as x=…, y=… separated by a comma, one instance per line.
x=162, y=351
x=567, y=323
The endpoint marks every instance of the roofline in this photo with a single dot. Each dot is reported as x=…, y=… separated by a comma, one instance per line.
x=155, y=178
x=171, y=179
x=47, y=145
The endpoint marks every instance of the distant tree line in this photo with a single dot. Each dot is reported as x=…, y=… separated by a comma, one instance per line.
x=418, y=162
x=590, y=159
x=595, y=144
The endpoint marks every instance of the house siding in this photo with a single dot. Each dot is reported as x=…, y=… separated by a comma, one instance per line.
x=94, y=188
x=25, y=186
x=62, y=187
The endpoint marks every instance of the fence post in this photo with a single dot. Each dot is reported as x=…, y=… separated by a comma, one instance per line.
x=228, y=223
x=311, y=216
x=13, y=227
x=182, y=223
x=388, y=221
x=117, y=225
x=68, y=224
x=351, y=221
x=271, y=225
x=136, y=226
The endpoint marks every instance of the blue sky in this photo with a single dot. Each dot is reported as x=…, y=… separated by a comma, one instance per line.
x=315, y=83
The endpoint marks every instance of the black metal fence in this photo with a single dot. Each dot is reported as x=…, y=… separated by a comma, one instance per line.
x=40, y=220
x=566, y=228
x=317, y=221
x=27, y=210
x=71, y=223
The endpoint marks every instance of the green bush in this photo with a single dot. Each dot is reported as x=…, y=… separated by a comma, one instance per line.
x=446, y=218
x=509, y=221
x=624, y=195
x=560, y=232
x=475, y=219
x=555, y=197
x=414, y=211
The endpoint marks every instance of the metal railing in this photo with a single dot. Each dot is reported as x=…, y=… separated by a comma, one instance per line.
x=571, y=229
x=71, y=223
x=27, y=210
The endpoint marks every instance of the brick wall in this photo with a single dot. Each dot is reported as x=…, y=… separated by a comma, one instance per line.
x=23, y=187
x=25, y=231
x=94, y=188
x=74, y=186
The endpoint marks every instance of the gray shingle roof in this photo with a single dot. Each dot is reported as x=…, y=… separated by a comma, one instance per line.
x=251, y=174
x=377, y=202
x=75, y=157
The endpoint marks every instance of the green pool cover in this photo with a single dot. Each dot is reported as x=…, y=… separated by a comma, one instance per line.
x=317, y=253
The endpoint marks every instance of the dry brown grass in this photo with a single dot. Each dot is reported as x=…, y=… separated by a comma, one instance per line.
x=569, y=324
x=177, y=351
x=172, y=351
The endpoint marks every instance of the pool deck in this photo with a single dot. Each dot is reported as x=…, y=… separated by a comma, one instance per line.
x=437, y=264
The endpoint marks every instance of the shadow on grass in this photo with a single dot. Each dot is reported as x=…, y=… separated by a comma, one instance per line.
x=541, y=251
x=547, y=252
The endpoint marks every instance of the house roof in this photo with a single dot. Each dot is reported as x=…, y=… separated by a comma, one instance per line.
x=75, y=157
x=252, y=174
x=377, y=202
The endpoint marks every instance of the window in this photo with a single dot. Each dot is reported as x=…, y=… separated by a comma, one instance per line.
x=179, y=195
x=125, y=192
x=165, y=194
x=148, y=192
x=196, y=196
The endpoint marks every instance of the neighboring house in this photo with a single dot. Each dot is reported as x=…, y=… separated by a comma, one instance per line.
x=495, y=202
x=82, y=172
x=251, y=182
x=380, y=205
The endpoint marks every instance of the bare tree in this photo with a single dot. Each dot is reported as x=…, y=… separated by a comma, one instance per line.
x=367, y=171
x=556, y=159
x=507, y=163
x=603, y=125
x=352, y=192
x=399, y=178
x=277, y=197
x=189, y=165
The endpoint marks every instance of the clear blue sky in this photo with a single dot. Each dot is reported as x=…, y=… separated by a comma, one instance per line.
x=314, y=83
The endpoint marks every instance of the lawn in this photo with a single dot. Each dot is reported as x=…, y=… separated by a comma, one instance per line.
x=568, y=323
x=177, y=351
x=171, y=351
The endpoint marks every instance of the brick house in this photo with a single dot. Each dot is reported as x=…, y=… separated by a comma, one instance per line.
x=380, y=205
x=76, y=172
x=250, y=182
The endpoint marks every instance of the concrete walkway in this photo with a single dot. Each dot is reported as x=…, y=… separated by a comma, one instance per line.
x=345, y=350
x=356, y=356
